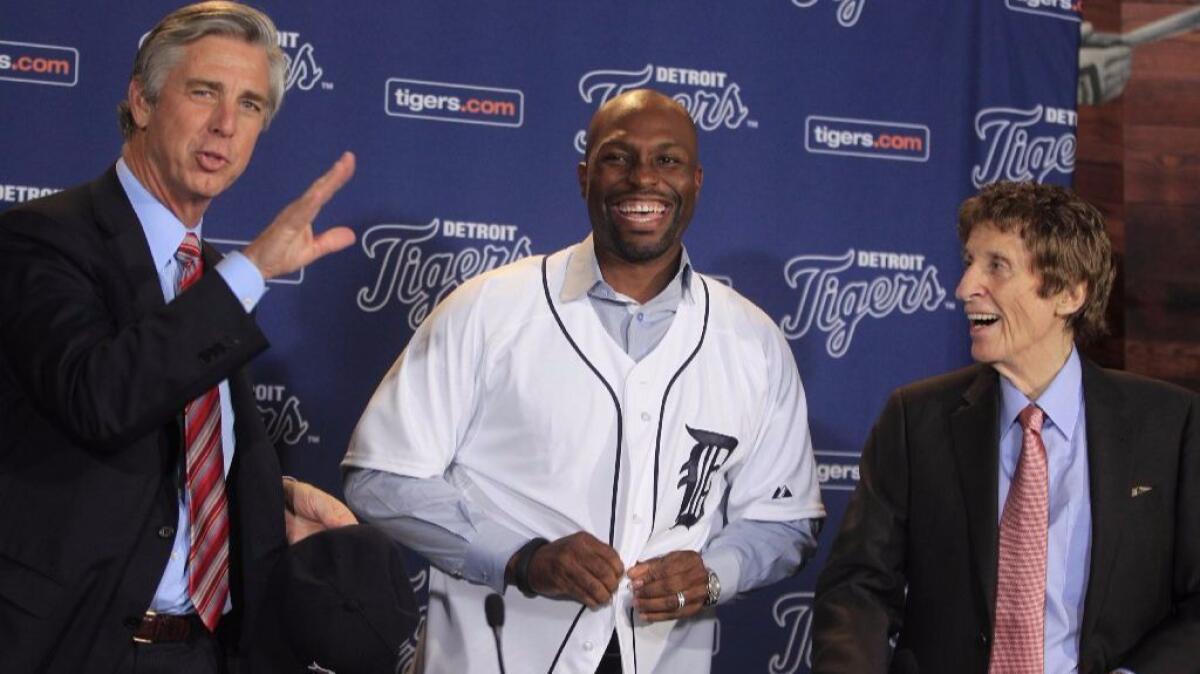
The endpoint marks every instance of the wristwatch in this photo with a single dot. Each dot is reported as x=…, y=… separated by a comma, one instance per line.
x=714, y=588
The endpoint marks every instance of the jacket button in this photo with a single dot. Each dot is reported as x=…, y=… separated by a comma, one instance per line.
x=983, y=639
x=166, y=531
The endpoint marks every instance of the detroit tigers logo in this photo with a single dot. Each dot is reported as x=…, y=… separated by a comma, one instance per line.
x=711, y=452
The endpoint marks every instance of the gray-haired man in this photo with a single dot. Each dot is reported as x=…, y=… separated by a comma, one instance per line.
x=142, y=502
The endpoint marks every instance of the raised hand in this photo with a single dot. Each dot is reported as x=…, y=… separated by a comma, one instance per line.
x=289, y=243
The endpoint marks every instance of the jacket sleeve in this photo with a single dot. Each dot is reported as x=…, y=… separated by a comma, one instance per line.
x=103, y=372
x=860, y=592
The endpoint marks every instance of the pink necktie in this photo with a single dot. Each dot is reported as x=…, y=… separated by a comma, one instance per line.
x=208, y=557
x=1021, y=585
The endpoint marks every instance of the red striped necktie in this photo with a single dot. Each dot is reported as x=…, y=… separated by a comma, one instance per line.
x=208, y=554
x=1018, y=646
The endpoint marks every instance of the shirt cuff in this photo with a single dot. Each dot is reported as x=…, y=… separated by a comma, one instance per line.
x=488, y=553
x=723, y=561
x=243, y=278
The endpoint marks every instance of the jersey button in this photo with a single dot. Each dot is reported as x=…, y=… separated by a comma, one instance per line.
x=645, y=416
x=588, y=646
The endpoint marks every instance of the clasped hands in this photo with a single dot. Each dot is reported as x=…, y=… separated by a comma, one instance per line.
x=585, y=569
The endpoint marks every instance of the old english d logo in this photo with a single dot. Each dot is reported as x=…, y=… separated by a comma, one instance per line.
x=707, y=457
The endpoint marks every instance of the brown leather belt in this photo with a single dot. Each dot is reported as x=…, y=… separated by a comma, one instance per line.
x=159, y=628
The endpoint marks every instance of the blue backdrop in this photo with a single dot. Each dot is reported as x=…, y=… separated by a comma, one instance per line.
x=837, y=136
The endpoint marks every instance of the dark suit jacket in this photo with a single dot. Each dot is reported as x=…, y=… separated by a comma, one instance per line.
x=95, y=370
x=924, y=520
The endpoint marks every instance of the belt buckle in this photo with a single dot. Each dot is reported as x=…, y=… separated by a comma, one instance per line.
x=147, y=616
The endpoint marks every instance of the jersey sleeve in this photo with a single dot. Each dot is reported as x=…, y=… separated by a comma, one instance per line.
x=419, y=414
x=778, y=481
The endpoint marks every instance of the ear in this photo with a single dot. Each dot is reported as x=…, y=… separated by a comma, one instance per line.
x=699, y=177
x=581, y=174
x=138, y=105
x=1070, y=299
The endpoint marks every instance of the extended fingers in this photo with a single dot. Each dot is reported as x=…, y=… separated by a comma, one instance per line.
x=322, y=189
x=332, y=240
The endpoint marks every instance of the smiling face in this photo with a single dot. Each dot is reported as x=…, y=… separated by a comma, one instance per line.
x=641, y=177
x=197, y=138
x=1023, y=335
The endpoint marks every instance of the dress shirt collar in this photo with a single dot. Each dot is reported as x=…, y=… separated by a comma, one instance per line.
x=164, y=231
x=583, y=277
x=1060, y=401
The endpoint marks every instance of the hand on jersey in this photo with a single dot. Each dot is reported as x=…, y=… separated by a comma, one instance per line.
x=578, y=566
x=657, y=582
x=308, y=510
x=289, y=243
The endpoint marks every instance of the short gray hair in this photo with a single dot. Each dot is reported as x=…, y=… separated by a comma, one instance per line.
x=163, y=47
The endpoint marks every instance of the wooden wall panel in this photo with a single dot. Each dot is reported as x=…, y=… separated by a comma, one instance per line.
x=1139, y=161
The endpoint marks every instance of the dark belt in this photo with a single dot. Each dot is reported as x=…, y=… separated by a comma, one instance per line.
x=158, y=628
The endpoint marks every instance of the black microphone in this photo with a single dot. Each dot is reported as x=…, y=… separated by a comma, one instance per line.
x=493, y=607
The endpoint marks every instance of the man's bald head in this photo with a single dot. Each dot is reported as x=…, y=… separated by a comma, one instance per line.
x=636, y=100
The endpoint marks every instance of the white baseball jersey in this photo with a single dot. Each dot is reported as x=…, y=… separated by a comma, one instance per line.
x=524, y=401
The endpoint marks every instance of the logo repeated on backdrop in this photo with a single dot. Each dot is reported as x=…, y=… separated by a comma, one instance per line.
x=281, y=414
x=39, y=63
x=793, y=613
x=303, y=73
x=848, y=11
x=836, y=471
x=711, y=97
x=1024, y=144
x=834, y=300
x=448, y=102
x=416, y=271
x=1068, y=10
x=226, y=246
x=710, y=452
x=868, y=138
x=16, y=194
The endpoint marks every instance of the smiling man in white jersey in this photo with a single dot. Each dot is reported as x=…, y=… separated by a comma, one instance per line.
x=611, y=439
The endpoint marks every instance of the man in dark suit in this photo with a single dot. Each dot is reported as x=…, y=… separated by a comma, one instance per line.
x=141, y=504
x=1033, y=512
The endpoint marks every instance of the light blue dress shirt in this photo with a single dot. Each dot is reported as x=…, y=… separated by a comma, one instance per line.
x=1064, y=433
x=164, y=232
x=437, y=520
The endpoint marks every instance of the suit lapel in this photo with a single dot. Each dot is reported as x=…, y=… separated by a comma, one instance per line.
x=127, y=242
x=1109, y=463
x=976, y=457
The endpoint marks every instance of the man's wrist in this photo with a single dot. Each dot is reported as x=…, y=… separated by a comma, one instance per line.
x=713, y=587
x=723, y=561
x=518, y=567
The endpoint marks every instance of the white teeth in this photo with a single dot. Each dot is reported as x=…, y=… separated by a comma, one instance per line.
x=641, y=208
x=982, y=319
